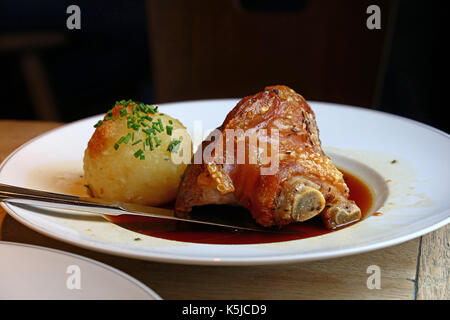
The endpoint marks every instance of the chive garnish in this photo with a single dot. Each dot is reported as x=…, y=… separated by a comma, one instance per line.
x=135, y=143
x=138, y=153
x=127, y=138
x=138, y=119
x=135, y=126
x=116, y=145
x=120, y=140
x=98, y=124
x=143, y=107
x=150, y=143
x=158, y=142
x=149, y=131
x=161, y=127
x=155, y=125
x=153, y=109
x=173, y=146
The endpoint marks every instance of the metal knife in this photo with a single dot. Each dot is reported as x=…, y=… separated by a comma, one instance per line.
x=102, y=207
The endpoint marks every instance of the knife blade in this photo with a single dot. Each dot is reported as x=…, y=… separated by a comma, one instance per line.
x=105, y=208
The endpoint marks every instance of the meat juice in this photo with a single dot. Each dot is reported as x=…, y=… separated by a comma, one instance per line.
x=199, y=233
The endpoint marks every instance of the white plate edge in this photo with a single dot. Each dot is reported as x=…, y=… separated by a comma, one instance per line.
x=122, y=274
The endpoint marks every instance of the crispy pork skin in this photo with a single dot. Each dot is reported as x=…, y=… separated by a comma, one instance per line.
x=305, y=183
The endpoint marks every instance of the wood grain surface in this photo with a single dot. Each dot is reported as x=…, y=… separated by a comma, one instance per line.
x=417, y=269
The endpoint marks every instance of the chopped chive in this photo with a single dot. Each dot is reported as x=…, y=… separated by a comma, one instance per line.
x=150, y=143
x=138, y=153
x=98, y=124
x=147, y=118
x=173, y=146
x=142, y=157
x=116, y=145
x=143, y=107
x=149, y=131
x=135, y=143
x=169, y=130
x=158, y=141
x=127, y=138
x=161, y=127
x=155, y=125
x=152, y=109
x=125, y=103
x=120, y=140
x=170, y=121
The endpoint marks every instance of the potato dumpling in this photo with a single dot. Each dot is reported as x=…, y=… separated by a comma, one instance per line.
x=129, y=156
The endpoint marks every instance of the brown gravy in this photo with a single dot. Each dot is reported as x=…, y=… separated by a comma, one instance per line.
x=196, y=233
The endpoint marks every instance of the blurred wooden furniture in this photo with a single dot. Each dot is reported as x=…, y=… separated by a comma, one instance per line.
x=27, y=45
x=417, y=269
x=215, y=49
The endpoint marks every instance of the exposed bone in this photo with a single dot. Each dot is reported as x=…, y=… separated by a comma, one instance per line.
x=307, y=203
x=341, y=214
x=300, y=200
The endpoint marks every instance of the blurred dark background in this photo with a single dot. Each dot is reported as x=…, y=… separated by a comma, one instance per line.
x=159, y=51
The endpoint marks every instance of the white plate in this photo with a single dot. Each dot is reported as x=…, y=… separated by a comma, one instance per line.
x=412, y=193
x=32, y=272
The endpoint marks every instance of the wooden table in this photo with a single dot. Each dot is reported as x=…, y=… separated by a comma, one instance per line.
x=417, y=269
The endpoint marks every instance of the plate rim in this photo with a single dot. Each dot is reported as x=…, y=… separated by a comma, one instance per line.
x=289, y=258
x=116, y=271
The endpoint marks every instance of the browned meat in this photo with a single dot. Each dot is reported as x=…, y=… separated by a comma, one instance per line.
x=305, y=182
